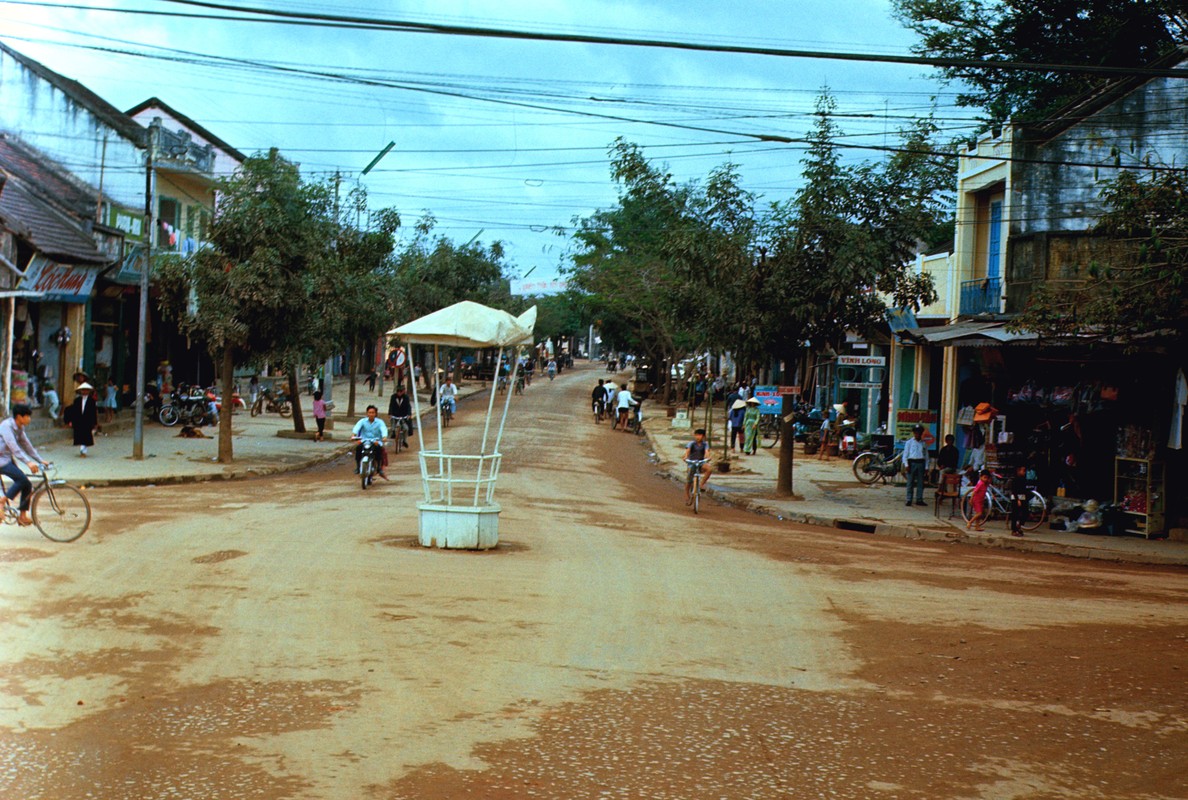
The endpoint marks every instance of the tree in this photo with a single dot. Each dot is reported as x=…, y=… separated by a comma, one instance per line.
x=1138, y=284
x=247, y=294
x=845, y=243
x=431, y=272
x=1115, y=33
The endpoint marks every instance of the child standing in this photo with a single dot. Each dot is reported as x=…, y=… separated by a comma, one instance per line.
x=977, y=501
x=109, y=401
x=1018, y=500
x=319, y=414
x=52, y=403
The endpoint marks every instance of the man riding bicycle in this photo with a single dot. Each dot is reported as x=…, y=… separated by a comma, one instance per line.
x=400, y=411
x=697, y=458
x=15, y=444
x=370, y=430
x=598, y=400
x=449, y=395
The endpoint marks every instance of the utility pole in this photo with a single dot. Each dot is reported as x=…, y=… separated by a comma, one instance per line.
x=150, y=186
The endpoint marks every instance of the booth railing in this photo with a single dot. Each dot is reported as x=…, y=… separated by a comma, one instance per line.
x=461, y=481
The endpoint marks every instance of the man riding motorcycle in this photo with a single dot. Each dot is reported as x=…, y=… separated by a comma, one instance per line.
x=370, y=430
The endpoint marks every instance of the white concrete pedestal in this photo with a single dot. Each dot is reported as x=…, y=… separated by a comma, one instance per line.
x=459, y=527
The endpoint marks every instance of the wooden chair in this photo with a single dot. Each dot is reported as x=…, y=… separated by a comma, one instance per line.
x=948, y=488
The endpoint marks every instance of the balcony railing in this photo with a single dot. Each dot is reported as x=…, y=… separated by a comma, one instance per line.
x=981, y=296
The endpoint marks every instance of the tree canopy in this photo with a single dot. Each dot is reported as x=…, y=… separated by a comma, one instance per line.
x=1115, y=33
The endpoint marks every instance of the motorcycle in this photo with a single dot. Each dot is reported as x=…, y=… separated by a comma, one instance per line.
x=187, y=405
x=371, y=462
x=872, y=466
x=267, y=401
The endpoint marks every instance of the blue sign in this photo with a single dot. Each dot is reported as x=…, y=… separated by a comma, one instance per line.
x=770, y=400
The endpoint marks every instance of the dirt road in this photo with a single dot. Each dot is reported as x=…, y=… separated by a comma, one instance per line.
x=286, y=638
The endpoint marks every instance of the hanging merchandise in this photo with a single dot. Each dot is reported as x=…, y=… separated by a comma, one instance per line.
x=63, y=336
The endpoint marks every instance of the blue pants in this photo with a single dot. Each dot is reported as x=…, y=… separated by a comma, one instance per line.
x=20, y=483
x=915, y=477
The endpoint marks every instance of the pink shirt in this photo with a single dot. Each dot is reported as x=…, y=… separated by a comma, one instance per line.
x=319, y=409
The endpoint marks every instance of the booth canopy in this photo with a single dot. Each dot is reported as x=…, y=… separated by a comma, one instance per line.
x=468, y=324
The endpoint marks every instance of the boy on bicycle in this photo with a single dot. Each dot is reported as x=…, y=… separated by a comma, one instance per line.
x=696, y=451
x=15, y=444
x=598, y=400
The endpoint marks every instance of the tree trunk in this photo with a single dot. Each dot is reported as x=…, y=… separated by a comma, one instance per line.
x=787, y=449
x=225, y=445
x=295, y=398
x=353, y=370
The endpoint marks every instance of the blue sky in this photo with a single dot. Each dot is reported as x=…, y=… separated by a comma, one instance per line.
x=471, y=146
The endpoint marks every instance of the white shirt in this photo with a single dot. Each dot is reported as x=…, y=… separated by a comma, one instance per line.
x=625, y=398
x=914, y=450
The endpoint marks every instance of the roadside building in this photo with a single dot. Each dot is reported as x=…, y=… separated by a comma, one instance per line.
x=1083, y=413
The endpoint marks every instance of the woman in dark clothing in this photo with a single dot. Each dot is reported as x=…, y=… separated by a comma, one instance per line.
x=84, y=417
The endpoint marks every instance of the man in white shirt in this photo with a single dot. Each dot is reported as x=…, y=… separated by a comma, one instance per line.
x=915, y=455
x=624, y=401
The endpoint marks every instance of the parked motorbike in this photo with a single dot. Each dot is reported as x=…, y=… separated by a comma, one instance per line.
x=269, y=401
x=188, y=405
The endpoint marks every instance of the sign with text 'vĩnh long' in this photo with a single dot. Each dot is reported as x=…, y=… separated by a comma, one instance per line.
x=861, y=361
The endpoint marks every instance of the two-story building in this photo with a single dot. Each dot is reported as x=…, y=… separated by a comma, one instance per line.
x=1028, y=200
x=120, y=158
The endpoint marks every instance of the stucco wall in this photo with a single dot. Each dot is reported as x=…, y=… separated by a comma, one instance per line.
x=1147, y=123
x=47, y=118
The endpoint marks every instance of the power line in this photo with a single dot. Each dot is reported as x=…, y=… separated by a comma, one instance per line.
x=407, y=26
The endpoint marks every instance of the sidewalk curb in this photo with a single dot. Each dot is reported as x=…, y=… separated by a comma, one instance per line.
x=674, y=471
x=238, y=472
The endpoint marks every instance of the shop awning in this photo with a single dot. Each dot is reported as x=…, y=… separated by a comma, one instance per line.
x=970, y=334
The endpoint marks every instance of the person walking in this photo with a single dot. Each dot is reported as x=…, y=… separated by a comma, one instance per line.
x=14, y=444
x=751, y=426
x=83, y=418
x=319, y=415
x=915, y=455
x=738, y=412
x=52, y=402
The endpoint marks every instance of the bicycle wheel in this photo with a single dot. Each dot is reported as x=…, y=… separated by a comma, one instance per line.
x=284, y=408
x=365, y=472
x=697, y=492
x=769, y=431
x=61, y=512
x=398, y=434
x=867, y=467
x=168, y=416
x=257, y=407
x=1037, y=511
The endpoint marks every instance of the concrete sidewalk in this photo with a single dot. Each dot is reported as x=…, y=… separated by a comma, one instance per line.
x=829, y=495
x=263, y=445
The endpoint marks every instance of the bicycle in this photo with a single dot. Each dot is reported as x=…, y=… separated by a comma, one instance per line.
x=401, y=427
x=998, y=503
x=599, y=410
x=693, y=482
x=60, y=511
x=769, y=430
x=447, y=413
x=269, y=402
x=519, y=387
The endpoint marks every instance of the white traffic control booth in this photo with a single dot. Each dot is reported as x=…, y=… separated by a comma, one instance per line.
x=459, y=509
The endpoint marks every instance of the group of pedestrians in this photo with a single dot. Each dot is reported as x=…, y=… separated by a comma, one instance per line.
x=618, y=401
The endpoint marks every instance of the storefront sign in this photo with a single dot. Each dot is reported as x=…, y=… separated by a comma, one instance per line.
x=63, y=283
x=131, y=224
x=908, y=418
x=861, y=361
x=789, y=390
x=770, y=401
x=857, y=385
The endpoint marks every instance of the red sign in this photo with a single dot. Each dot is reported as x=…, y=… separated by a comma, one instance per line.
x=789, y=390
